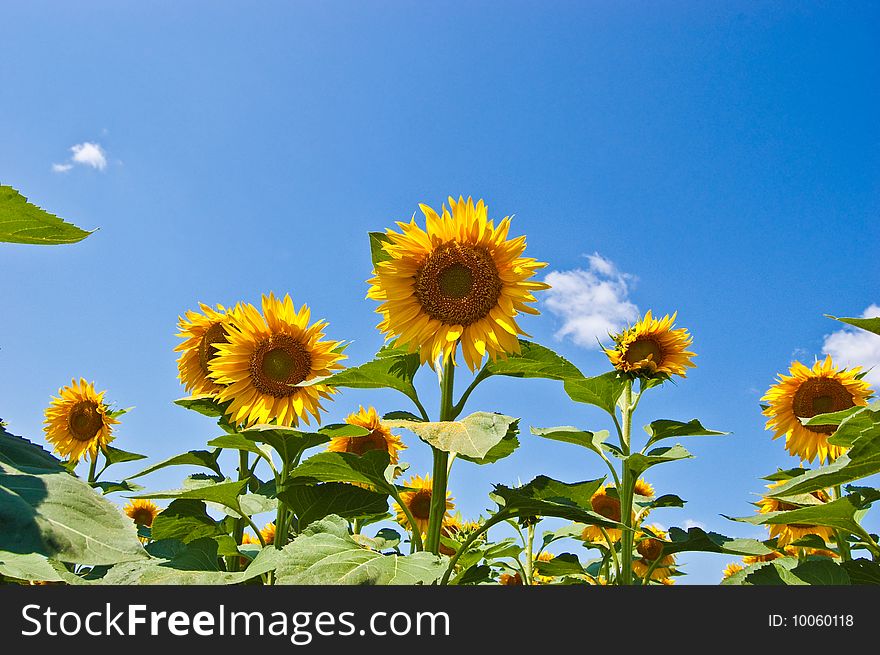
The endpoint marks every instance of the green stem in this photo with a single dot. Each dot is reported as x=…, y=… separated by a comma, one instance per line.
x=459, y=406
x=625, y=492
x=840, y=535
x=467, y=544
x=530, y=564
x=417, y=545
x=612, y=553
x=93, y=467
x=234, y=563
x=441, y=463
x=281, y=529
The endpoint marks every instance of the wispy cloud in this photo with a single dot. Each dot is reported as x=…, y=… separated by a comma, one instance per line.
x=592, y=302
x=84, y=154
x=691, y=523
x=853, y=347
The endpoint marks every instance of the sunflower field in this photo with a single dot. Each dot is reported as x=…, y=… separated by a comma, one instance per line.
x=344, y=507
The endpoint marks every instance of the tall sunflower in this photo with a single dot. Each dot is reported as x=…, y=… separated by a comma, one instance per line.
x=788, y=532
x=264, y=358
x=804, y=394
x=142, y=512
x=459, y=281
x=652, y=348
x=418, y=502
x=650, y=547
x=201, y=332
x=78, y=422
x=379, y=438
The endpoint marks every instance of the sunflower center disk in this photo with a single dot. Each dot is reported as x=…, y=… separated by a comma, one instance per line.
x=84, y=420
x=208, y=345
x=820, y=396
x=143, y=517
x=278, y=363
x=643, y=349
x=607, y=507
x=650, y=549
x=421, y=505
x=361, y=445
x=458, y=284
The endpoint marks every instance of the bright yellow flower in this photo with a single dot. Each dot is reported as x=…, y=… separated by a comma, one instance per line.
x=806, y=393
x=380, y=437
x=201, y=332
x=418, y=502
x=786, y=533
x=510, y=579
x=608, y=505
x=266, y=356
x=460, y=281
x=650, y=548
x=77, y=421
x=643, y=488
x=268, y=533
x=537, y=578
x=652, y=348
x=732, y=569
x=142, y=512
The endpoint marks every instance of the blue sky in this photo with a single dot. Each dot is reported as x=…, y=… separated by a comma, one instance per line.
x=720, y=158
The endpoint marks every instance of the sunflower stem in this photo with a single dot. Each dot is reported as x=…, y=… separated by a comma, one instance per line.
x=93, y=467
x=840, y=535
x=467, y=544
x=530, y=564
x=441, y=462
x=416, y=543
x=281, y=529
x=234, y=562
x=625, y=492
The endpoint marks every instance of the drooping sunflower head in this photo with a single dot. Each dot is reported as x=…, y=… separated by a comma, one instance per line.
x=459, y=281
x=379, y=438
x=650, y=547
x=510, y=579
x=142, y=512
x=805, y=393
x=418, y=502
x=201, y=332
x=266, y=356
x=786, y=533
x=652, y=348
x=78, y=422
x=607, y=504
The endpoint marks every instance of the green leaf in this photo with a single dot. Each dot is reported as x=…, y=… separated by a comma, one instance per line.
x=545, y=496
x=203, y=458
x=860, y=423
x=502, y=449
x=206, y=405
x=533, y=361
x=602, y=391
x=117, y=455
x=568, y=434
x=869, y=324
x=639, y=463
x=222, y=493
x=23, y=454
x=31, y=567
x=862, y=460
x=863, y=571
x=821, y=571
x=838, y=513
x=666, y=500
x=185, y=520
x=331, y=558
x=393, y=368
x=112, y=487
x=473, y=436
x=833, y=418
x=23, y=222
x=667, y=429
x=240, y=442
x=368, y=469
x=312, y=503
x=698, y=540
x=377, y=251
x=778, y=572
x=290, y=444
x=560, y=565
x=57, y=515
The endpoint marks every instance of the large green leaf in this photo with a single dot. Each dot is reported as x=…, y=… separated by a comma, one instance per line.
x=788, y=571
x=639, y=463
x=204, y=458
x=862, y=460
x=222, y=493
x=312, y=503
x=186, y=520
x=602, y=391
x=290, y=444
x=870, y=324
x=473, y=436
x=31, y=567
x=24, y=222
x=502, y=449
x=698, y=540
x=545, y=496
x=840, y=513
x=533, y=361
x=860, y=423
x=377, y=250
x=667, y=429
x=55, y=514
x=206, y=405
x=117, y=455
x=568, y=434
x=560, y=565
x=23, y=454
x=863, y=571
x=367, y=469
x=334, y=558
x=392, y=368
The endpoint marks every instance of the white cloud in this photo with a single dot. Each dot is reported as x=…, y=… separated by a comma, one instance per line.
x=854, y=347
x=84, y=154
x=89, y=154
x=592, y=302
x=691, y=523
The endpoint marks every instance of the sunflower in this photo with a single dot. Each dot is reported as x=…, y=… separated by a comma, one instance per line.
x=268, y=533
x=643, y=488
x=510, y=579
x=418, y=503
x=379, y=438
x=788, y=532
x=608, y=505
x=201, y=332
x=652, y=348
x=650, y=548
x=460, y=281
x=732, y=569
x=537, y=578
x=266, y=355
x=804, y=394
x=77, y=421
x=142, y=512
